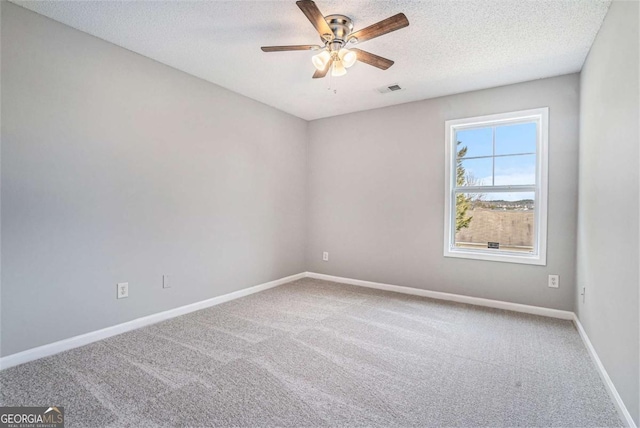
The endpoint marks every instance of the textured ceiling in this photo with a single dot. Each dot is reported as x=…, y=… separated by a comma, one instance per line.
x=449, y=47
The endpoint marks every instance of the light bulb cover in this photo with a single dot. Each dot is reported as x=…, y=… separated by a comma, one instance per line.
x=320, y=60
x=348, y=57
x=338, y=69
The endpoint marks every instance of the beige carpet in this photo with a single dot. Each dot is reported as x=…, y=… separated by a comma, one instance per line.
x=315, y=353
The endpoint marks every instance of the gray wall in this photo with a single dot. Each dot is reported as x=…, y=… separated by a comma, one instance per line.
x=607, y=262
x=117, y=168
x=376, y=196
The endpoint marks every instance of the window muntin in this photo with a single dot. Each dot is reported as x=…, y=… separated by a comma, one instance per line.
x=495, y=207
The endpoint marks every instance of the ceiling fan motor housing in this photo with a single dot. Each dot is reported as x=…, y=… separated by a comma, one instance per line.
x=341, y=26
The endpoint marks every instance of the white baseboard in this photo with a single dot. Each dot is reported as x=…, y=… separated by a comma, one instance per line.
x=608, y=383
x=478, y=301
x=94, y=336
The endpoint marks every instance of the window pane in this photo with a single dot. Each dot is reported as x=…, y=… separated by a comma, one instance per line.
x=514, y=170
x=512, y=139
x=478, y=141
x=474, y=172
x=495, y=221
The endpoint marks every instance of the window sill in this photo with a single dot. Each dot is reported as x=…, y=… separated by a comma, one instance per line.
x=533, y=259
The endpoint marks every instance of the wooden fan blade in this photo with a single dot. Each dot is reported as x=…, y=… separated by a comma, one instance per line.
x=313, y=14
x=289, y=48
x=385, y=26
x=372, y=59
x=321, y=73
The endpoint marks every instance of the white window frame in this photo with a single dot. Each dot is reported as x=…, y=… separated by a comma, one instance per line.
x=539, y=256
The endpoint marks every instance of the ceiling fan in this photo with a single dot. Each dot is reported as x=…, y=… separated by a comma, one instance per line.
x=336, y=31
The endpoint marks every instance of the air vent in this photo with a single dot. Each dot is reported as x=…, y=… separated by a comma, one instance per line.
x=390, y=88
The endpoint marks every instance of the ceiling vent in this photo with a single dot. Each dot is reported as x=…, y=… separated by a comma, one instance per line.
x=390, y=88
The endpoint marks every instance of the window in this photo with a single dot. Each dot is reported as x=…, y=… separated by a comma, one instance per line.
x=496, y=187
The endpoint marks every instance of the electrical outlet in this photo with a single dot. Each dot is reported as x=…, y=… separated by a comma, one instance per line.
x=325, y=256
x=554, y=281
x=123, y=290
x=165, y=281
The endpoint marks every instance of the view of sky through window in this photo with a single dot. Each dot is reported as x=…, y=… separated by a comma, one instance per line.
x=500, y=155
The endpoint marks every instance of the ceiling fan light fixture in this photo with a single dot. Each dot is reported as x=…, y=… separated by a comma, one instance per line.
x=338, y=69
x=320, y=60
x=347, y=57
x=336, y=32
